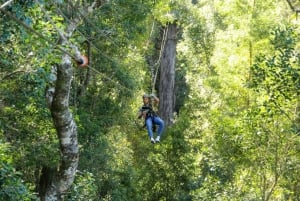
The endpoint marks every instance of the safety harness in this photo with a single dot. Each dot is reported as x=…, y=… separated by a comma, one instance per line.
x=149, y=111
x=149, y=114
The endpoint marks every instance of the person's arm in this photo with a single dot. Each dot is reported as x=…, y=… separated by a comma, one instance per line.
x=156, y=100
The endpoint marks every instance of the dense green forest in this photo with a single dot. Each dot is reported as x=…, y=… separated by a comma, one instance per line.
x=227, y=73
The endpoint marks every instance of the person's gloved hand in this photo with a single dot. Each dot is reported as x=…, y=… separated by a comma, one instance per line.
x=152, y=95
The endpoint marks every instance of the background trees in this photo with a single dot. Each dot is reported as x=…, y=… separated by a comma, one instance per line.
x=235, y=135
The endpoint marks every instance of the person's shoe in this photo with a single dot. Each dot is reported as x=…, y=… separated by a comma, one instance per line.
x=157, y=139
x=152, y=140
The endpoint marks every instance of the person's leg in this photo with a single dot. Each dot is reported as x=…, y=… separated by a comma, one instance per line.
x=160, y=124
x=149, y=128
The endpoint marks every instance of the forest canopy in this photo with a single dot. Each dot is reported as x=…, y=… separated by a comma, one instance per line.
x=73, y=73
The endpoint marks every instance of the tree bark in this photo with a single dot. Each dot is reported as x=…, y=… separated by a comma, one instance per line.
x=167, y=76
x=66, y=132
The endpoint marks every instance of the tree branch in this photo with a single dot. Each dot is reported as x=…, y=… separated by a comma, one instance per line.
x=296, y=7
x=7, y=76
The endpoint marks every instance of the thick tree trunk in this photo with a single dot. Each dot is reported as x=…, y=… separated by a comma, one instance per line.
x=66, y=131
x=167, y=76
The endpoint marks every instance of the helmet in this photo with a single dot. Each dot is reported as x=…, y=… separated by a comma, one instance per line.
x=146, y=96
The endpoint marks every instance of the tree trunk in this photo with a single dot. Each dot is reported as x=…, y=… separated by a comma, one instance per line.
x=66, y=132
x=167, y=76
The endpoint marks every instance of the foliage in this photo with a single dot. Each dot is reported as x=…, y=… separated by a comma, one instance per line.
x=278, y=75
x=84, y=188
x=236, y=133
x=12, y=186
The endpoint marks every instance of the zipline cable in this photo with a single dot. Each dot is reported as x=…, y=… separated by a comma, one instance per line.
x=84, y=17
x=152, y=29
x=37, y=33
x=95, y=70
x=162, y=47
x=150, y=35
x=86, y=38
x=60, y=32
x=99, y=31
x=6, y=3
x=55, y=45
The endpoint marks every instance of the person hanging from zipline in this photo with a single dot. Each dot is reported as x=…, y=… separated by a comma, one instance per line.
x=151, y=118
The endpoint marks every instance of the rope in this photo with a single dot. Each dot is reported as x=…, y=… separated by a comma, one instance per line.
x=162, y=47
x=150, y=35
x=6, y=3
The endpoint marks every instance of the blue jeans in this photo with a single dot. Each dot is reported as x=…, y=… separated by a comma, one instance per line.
x=156, y=120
